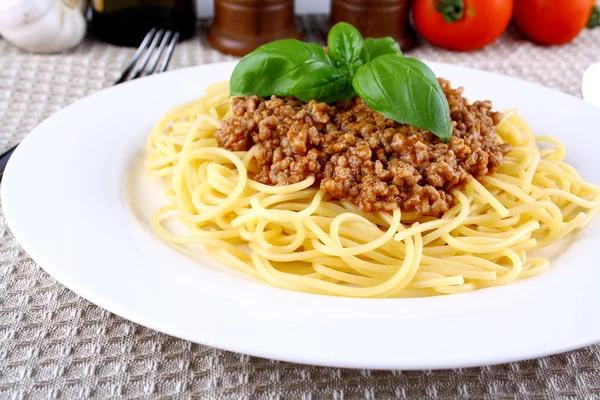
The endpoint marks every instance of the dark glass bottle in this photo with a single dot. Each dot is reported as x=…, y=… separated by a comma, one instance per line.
x=126, y=22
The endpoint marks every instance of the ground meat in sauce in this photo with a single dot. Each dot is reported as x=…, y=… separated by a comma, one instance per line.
x=356, y=153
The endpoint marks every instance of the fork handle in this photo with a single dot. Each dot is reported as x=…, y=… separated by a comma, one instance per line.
x=4, y=159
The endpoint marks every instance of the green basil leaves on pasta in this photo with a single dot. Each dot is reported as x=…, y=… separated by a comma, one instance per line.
x=402, y=89
x=382, y=47
x=276, y=67
x=346, y=48
x=405, y=90
x=326, y=84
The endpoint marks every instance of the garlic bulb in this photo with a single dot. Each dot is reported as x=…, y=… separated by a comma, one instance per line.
x=43, y=26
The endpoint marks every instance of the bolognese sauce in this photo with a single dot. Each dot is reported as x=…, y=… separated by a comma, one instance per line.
x=357, y=154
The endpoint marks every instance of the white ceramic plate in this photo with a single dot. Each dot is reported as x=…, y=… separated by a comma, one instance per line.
x=76, y=198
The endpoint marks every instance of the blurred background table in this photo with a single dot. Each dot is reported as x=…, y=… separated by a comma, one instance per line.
x=55, y=344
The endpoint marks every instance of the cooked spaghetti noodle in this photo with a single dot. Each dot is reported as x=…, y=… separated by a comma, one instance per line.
x=298, y=238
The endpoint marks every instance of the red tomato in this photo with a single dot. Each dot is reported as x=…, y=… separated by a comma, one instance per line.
x=462, y=24
x=552, y=21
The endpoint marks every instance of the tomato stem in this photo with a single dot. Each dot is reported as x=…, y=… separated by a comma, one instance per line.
x=451, y=10
x=594, y=18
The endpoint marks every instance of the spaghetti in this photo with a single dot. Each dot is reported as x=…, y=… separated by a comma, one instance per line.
x=296, y=237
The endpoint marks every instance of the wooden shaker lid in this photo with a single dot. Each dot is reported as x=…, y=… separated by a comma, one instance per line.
x=377, y=18
x=240, y=26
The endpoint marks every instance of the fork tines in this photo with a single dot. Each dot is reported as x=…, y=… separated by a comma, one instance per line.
x=151, y=50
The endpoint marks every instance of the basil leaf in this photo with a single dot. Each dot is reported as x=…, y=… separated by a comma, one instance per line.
x=381, y=47
x=276, y=67
x=324, y=85
x=407, y=91
x=346, y=47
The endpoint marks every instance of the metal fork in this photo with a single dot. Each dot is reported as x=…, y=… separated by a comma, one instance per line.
x=151, y=48
x=157, y=45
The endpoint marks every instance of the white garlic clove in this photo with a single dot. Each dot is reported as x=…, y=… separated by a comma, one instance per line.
x=14, y=13
x=60, y=28
x=72, y=30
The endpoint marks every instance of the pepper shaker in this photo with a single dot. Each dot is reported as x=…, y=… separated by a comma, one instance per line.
x=377, y=18
x=240, y=26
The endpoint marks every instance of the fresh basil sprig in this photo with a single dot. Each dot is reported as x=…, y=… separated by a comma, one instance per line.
x=405, y=90
x=381, y=47
x=347, y=48
x=276, y=67
x=326, y=84
x=401, y=88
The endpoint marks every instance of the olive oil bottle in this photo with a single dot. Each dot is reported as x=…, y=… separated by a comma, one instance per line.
x=126, y=22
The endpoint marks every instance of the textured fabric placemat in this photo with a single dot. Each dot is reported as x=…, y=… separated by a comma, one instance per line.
x=55, y=344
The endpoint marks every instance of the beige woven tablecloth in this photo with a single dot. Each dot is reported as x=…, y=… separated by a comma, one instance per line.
x=54, y=344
